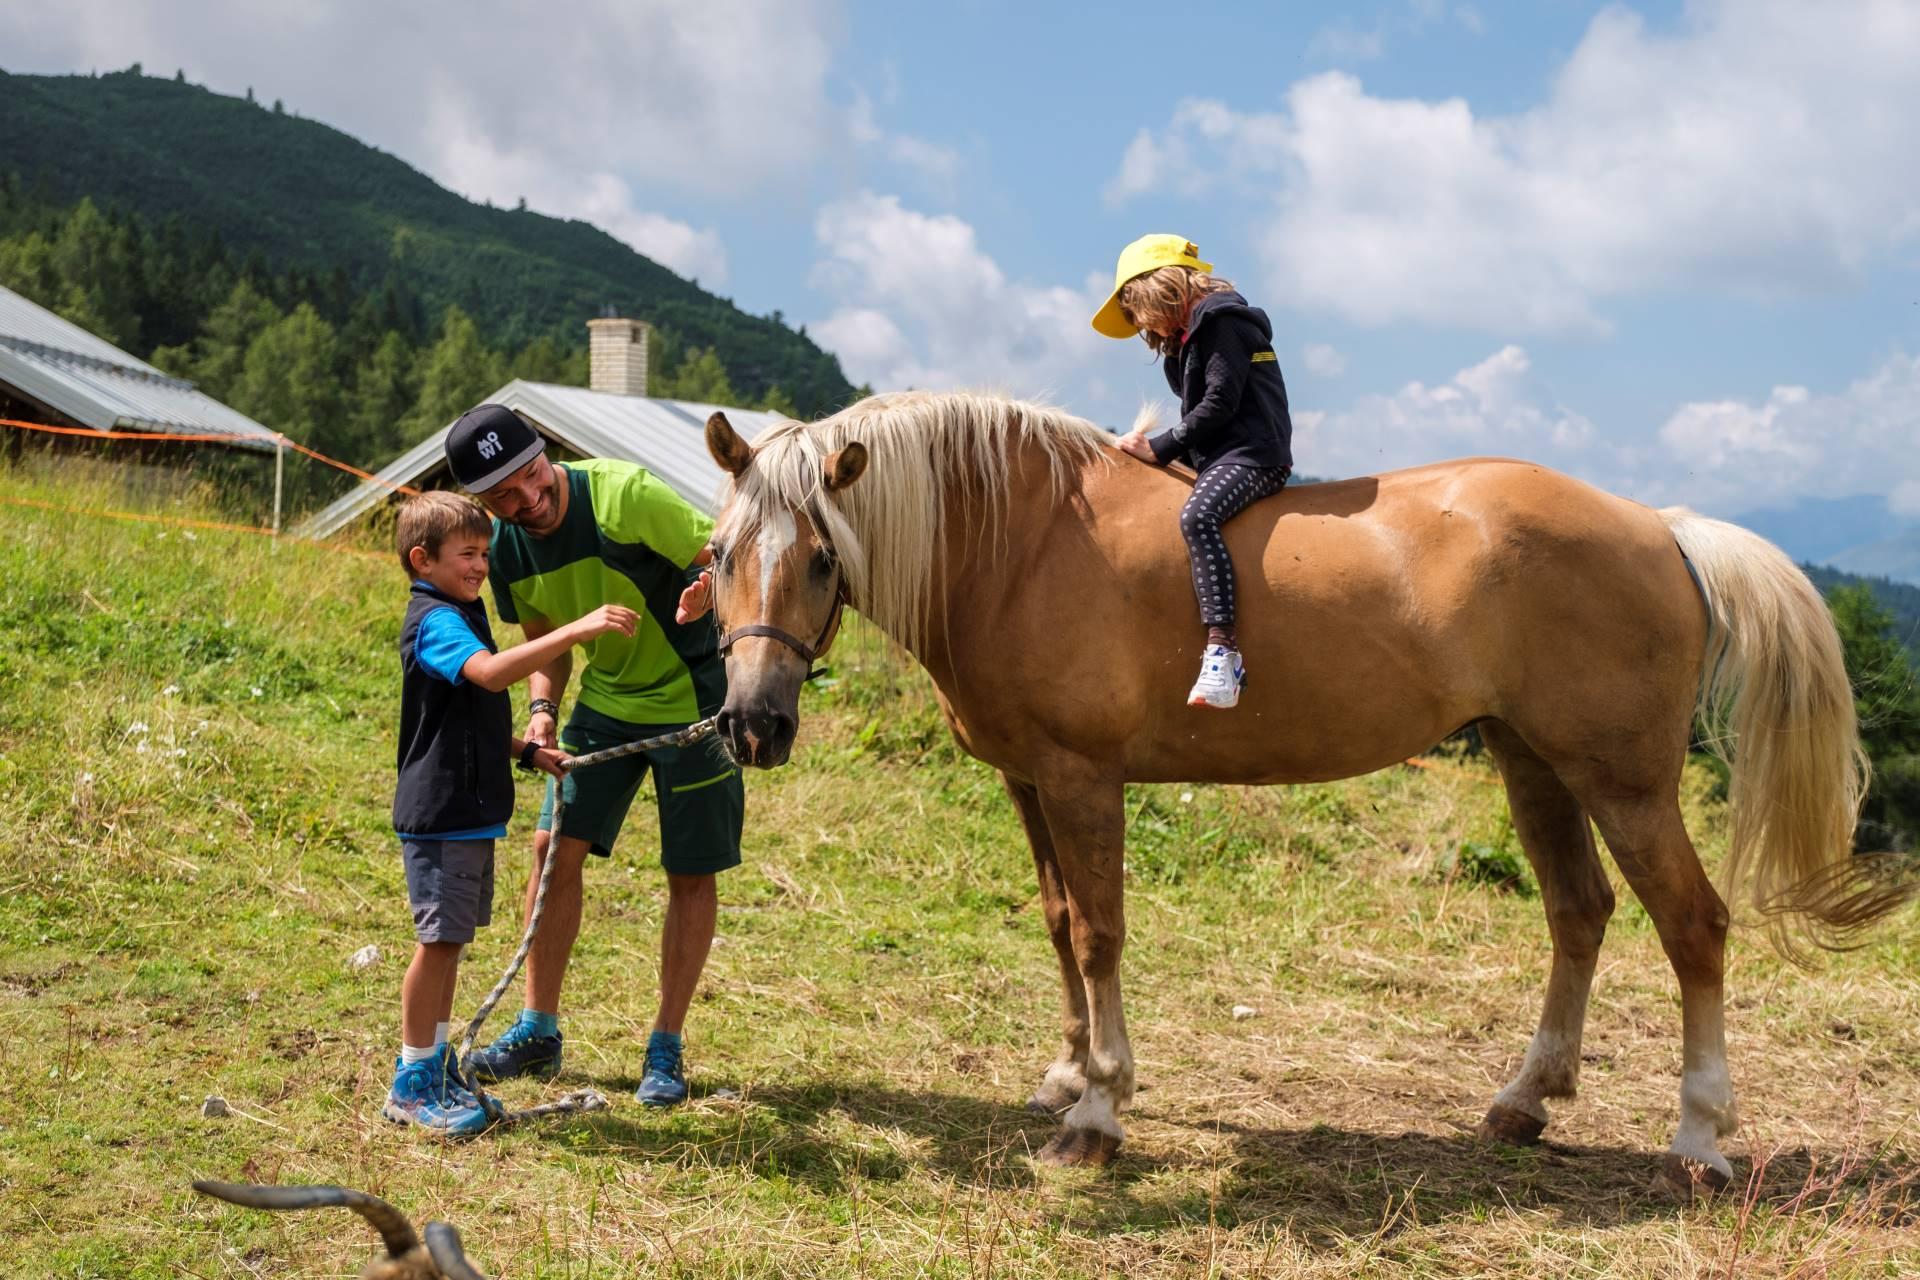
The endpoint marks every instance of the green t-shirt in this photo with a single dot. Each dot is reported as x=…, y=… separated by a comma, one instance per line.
x=628, y=538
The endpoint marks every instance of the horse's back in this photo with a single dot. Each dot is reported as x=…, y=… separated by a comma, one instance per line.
x=1379, y=613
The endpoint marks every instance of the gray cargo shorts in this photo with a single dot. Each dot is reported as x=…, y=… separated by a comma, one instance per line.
x=450, y=887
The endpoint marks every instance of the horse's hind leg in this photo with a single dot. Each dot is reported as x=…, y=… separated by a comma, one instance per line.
x=1647, y=838
x=1558, y=841
x=1066, y=1079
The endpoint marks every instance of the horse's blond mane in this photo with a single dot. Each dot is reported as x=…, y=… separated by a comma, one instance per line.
x=925, y=452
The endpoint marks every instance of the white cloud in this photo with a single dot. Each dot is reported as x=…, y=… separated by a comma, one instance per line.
x=1343, y=41
x=1763, y=149
x=610, y=110
x=1494, y=407
x=1323, y=360
x=938, y=165
x=1729, y=455
x=922, y=305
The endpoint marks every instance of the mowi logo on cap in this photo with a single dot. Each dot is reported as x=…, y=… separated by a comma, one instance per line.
x=489, y=444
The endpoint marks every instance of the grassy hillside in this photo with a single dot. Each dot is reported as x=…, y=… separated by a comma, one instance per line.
x=196, y=735
x=310, y=197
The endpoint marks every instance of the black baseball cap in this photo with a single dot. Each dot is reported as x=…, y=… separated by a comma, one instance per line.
x=489, y=443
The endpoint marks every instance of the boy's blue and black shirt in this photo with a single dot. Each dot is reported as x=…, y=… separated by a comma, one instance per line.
x=455, y=755
x=1233, y=401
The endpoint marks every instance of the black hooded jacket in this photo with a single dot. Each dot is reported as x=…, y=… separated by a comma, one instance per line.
x=1233, y=401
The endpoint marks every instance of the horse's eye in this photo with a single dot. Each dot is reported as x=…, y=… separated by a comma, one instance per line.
x=822, y=562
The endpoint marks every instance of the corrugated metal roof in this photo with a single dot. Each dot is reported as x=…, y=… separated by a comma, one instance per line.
x=93, y=382
x=667, y=437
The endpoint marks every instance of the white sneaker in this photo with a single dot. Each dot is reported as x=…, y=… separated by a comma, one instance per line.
x=1221, y=675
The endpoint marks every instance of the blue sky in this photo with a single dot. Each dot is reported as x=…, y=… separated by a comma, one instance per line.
x=1673, y=248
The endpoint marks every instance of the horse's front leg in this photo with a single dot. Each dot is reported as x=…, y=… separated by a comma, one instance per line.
x=1085, y=817
x=1066, y=1079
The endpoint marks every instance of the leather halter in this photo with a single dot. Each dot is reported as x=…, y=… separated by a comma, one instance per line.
x=807, y=652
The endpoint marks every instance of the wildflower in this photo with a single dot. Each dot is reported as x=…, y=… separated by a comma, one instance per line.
x=258, y=692
x=1186, y=797
x=170, y=690
x=138, y=726
x=188, y=535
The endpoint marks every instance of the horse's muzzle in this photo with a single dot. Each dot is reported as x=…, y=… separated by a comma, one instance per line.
x=759, y=734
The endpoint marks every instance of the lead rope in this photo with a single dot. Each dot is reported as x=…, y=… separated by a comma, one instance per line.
x=580, y=1100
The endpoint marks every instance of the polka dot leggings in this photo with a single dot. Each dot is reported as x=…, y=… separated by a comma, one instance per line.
x=1221, y=493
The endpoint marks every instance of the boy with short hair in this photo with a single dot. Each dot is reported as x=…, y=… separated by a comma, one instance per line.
x=455, y=789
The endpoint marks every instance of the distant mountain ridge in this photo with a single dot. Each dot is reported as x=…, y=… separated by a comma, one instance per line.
x=1857, y=534
x=307, y=196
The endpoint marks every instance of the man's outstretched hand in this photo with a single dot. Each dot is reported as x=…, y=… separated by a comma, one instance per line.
x=696, y=599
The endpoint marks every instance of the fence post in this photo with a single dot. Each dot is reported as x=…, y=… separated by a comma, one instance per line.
x=279, y=467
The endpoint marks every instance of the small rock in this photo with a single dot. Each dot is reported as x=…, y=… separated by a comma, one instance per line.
x=724, y=1094
x=363, y=959
x=1241, y=1012
x=215, y=1107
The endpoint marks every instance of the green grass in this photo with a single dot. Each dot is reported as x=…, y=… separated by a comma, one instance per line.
x=196, y=739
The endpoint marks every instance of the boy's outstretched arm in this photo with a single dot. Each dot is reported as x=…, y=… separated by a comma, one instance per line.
x=503, y=670
x=548, y=684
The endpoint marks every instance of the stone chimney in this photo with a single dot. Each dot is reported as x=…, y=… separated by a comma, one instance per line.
x=617, y=354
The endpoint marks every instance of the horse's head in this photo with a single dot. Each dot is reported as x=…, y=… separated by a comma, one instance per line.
x=777, y=592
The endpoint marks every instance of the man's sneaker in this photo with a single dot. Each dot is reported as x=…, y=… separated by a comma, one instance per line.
x=665, y=1081
x=520, y=1051
x=1221, y=675
x=456, y=1087
x=420, y=1096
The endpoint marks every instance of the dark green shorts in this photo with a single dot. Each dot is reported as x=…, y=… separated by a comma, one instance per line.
x=698, y=790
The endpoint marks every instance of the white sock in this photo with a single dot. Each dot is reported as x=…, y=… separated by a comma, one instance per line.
x=440, y=1032
x=410, y=1055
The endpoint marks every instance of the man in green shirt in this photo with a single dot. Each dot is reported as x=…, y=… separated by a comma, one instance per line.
x=567, y=539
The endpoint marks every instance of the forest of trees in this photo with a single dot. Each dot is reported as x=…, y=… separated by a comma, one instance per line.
x=324, y=218
x=358, y=376
x=1887, y=697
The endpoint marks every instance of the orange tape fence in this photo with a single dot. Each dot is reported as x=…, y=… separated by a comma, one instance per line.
x=275, y=439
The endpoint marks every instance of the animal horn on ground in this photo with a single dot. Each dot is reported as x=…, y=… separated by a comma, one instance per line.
x=395, y=1231
x=443, y=1246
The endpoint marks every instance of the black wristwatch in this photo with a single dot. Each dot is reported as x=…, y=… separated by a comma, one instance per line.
x=547, y=705
x=527, y=753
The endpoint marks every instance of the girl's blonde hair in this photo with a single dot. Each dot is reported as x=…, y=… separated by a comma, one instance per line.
x=1163, y=298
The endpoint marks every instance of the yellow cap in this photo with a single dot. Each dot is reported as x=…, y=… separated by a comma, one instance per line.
x=1148, y=253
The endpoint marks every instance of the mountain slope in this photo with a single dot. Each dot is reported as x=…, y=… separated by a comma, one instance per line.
x=306, y=195
x=1897, y=557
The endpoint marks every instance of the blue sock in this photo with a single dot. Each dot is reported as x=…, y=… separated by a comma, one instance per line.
x=670, y=1037
x=546, y=1024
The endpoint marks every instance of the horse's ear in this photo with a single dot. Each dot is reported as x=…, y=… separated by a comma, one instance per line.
x=845, y=465
x=730, y=452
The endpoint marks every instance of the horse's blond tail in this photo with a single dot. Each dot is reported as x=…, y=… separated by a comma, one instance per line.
x=1777, y=706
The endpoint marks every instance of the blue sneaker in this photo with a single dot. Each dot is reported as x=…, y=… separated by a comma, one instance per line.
x=420, y=1096
x=520, y=1051
x=456, y=1087
x=665, y=1081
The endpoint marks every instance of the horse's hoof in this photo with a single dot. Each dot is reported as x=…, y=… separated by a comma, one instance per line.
x=1051, y=1099
x=1075, y=1148
x=1686, y=1179
x=1513, y=1127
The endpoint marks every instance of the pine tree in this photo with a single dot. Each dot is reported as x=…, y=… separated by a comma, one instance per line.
x=384, y=393
x=216, y=359
x=290, y=383
x=778, y=401
x=701, y=378
x=455, y=372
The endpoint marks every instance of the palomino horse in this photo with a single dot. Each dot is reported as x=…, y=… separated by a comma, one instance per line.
x=1035, y=572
